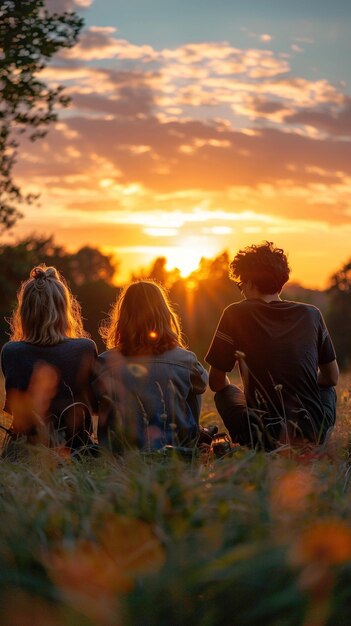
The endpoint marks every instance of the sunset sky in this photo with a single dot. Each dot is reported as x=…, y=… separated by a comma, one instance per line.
x=197, y=126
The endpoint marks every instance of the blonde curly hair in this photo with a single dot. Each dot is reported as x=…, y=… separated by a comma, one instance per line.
x=46, y=312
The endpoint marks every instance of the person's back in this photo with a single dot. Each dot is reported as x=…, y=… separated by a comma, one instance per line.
x=282, y=348
x=72, y=364
x=148, y=384
x=152, y=397
x=48, y=365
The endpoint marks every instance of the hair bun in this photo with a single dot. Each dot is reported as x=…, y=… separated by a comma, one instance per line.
x=43, y=272
x=39, y=274
x=51, y=272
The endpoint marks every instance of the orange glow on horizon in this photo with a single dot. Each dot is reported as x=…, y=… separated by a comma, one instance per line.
x=193, y=148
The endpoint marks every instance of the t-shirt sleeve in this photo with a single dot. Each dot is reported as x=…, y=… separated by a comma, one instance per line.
x=221, y=354
x=326, y=352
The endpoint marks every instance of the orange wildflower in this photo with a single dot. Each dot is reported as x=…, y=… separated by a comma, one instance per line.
x=327, y=542
x=291, y=490
x=91, y=574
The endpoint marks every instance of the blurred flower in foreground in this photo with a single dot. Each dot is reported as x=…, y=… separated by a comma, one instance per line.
x=290, y=491
x=29, y=408
x=90, y=575
x=316, y=551
x=327, y=542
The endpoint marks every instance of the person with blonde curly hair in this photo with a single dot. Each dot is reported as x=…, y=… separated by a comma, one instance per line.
x=149, y=384
x=284, y=353
x=48, y=364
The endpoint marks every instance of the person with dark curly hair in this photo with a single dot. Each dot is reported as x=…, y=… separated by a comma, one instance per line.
x=285, y=356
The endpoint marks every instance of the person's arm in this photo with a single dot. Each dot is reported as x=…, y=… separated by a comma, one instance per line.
x=328, y=371
x=218, y=379
x=221, y=355
x=328, y=374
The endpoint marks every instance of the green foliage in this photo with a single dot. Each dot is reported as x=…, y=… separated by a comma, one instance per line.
x=29, y=37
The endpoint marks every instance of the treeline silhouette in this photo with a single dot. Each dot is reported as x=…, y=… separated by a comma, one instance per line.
x=199, y=298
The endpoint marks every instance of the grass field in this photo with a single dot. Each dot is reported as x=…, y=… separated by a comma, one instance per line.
x=253, y=539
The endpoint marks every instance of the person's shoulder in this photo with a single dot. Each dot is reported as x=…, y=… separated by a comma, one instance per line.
x=12, y=347
x=179, y=355
x=82, y=343
x=86, y=341
x=303, y=306
x=110, y=358
x=232, y=308
x=12, y=353
x=238, y=310
x=110, y=354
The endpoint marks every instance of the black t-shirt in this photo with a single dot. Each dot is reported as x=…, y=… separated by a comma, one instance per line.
x=73, y=360
x=284, y=343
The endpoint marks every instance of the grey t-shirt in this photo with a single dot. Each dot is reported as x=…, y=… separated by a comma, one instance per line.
x=73, y=361
x=284, y=343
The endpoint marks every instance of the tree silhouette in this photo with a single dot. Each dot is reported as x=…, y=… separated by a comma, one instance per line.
x=338, y=314
x=29, y=37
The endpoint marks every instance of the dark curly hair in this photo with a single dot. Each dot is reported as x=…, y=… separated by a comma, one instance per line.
x=264, y=265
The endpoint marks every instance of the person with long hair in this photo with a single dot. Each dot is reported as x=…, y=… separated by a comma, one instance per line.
x=48, y=364
x=149, y=384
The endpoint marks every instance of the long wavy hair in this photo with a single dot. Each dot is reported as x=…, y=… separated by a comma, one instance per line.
x=142, y=321
x=46, y=311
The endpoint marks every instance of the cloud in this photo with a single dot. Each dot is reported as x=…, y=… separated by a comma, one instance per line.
x=252, y=83
x=265, y=37
x=128, y=160
x=296, y=48
x=60, y=6
x=335, y=122
x=128, y=102
x=98, y=42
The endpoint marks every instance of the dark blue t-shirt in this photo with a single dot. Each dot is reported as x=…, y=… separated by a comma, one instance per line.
x=73, y=362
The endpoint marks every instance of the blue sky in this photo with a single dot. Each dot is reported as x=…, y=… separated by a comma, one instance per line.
x=168, y=23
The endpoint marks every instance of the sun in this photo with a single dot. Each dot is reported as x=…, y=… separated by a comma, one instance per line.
x=186, y=257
